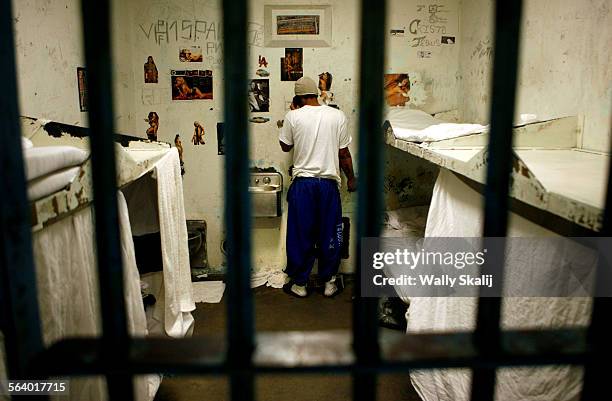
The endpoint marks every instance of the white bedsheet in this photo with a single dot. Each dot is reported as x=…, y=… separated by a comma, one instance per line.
x=418, y=126
x=456, y=211
x=66, y=271
x=159, y=199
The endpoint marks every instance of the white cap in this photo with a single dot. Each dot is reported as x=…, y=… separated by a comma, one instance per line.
x=306, y=86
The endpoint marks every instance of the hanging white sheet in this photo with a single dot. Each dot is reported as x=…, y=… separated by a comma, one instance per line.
x=64, y=255
x=156, y=204
x=456, y=211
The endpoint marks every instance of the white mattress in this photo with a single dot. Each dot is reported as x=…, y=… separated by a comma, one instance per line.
x=51, y=183
x=456, y=211
x=43, y=160
x=418, y=126
x=49, y=169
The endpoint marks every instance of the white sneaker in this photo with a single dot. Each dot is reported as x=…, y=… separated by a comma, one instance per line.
x=299, y=290
x=330, y=287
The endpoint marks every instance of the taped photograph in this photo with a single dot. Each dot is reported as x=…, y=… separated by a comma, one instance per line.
x=259, y=95
x=292, y=65
x=397, y=89
x=192, y=84
x=191, y=54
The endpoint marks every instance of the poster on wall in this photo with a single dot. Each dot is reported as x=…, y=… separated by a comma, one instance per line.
x=297, y=24
x=291, y=64
x=191, y=84
x=150, y=71
x=82, y=85
x=397, y=89
x=259, y=95
x=325, y=82
x=220, y=139
x=191, y=54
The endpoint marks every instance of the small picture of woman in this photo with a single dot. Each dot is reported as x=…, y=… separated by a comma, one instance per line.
x=397, y=89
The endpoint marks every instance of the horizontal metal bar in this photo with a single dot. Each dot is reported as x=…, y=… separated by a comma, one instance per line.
x=312, y=351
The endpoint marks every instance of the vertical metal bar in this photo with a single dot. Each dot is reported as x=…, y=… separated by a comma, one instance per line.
x=365, y=323
x=237, y=201
x=97, y=38
x=595, y=378
x=505, y=66
x=19, y=315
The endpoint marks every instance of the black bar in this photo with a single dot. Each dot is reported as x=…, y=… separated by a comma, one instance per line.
x=365, y=322
x=595, y=379
x=505, y=66
x=19, y=315
x=318, y=352
x=237, y=201
x=98, y=56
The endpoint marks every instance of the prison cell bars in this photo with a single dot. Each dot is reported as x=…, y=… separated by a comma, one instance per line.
x=365, y=321
x=237, y=201
x=19, y=316
x=505, y=65
x=98, y=56
x=212, y=355
x=595, y=378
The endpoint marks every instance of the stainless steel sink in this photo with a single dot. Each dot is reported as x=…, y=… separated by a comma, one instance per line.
x=266, y=190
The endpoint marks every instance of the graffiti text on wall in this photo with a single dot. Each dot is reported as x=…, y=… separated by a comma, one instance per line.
x=167, y=31
x=429, y=26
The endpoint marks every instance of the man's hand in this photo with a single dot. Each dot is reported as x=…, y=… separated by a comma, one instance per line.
x=346, y=165
x=351, y=183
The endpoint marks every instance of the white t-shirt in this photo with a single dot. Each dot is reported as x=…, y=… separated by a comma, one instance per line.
x=316, y=133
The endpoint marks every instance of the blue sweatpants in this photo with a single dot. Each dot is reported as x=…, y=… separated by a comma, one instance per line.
x=314, y=228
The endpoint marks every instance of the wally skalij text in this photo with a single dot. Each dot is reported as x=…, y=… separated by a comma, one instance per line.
x=416, y=271
x=433, y=280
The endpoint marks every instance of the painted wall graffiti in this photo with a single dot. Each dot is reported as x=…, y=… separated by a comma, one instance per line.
x=431, y=25
x=184, y=30
x=255, y=34
x=152, y=96
x=483, y=49
x=173, y=31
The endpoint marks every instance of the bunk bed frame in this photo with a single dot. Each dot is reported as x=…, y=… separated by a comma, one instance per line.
x=135, y=156
x=539, y=183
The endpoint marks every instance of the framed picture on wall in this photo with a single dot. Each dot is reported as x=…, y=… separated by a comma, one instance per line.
x=297, y=26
